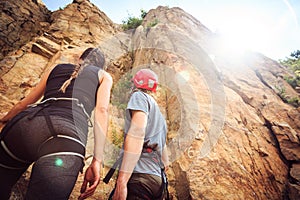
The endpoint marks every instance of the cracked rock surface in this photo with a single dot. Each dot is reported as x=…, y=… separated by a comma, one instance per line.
x=231, y=135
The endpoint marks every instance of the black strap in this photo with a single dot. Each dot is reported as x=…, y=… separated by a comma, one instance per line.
x=112, y=170
x=45, y=113
x=49, y=122
x=112, y=194
x=164, y=184
x=56, y=144
x=41, y=108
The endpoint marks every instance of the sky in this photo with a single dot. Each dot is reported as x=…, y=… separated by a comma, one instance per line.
x=270, y=27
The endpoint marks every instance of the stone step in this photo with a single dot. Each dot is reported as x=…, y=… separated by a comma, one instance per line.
x=53, y=39
x=48, y=44
x=39, y=49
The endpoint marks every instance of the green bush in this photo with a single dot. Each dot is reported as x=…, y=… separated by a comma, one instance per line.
x=133, y=22
x=151, y=24
x=292, y=81
x=117, y=138
x=281, y=92
x=293, y=63
x=294, y=101
x=121, y=92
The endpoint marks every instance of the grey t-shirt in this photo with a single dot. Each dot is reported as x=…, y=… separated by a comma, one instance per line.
x=156, y=129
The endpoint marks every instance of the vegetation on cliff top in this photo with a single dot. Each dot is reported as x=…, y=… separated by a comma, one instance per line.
x=293, y=63
x=133, y=22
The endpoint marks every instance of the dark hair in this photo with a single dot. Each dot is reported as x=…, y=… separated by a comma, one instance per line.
x=85, y=53
x=95, y=57
x=91, y=56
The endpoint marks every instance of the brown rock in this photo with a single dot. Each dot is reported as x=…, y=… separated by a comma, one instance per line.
x=230, y=135
x=293, y=190
x=295, y=172
x=20, y=22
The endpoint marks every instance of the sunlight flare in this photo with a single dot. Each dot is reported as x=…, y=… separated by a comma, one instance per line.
x=243, y=31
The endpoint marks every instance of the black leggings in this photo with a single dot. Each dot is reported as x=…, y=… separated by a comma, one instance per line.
x=22, y=141
x=52, y=177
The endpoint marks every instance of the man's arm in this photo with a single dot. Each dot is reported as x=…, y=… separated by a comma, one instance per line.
x=133, y=146
x=165, y=158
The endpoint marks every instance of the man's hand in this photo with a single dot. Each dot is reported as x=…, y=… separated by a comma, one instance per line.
x=120, y=192
x=91, y=180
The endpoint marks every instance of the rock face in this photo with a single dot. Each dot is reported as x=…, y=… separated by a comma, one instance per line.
x=20, y=22
x=230, y=135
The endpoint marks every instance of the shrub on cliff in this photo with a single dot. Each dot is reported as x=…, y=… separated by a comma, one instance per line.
x=134, y=22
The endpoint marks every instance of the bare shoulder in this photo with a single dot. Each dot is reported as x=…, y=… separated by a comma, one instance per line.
x=103, y=75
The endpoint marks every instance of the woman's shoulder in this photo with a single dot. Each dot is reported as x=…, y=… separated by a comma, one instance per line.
x=64, y=66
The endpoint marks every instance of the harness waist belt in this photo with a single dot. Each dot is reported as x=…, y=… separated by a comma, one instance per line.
x=65, y=99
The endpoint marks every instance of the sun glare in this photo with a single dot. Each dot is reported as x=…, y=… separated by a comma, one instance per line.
x=242, y=30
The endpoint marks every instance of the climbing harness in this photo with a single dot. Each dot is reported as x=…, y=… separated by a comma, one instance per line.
x=147, y=150
x=152, y=149
x=55, y=99
x=57, y=144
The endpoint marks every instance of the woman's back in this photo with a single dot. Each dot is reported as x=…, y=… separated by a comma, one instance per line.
x=83, y=87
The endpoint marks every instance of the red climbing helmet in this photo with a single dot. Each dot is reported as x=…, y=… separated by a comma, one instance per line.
x=145, y=79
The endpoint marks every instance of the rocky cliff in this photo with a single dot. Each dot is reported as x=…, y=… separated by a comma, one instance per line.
x=21, y=21
x=231, y=136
